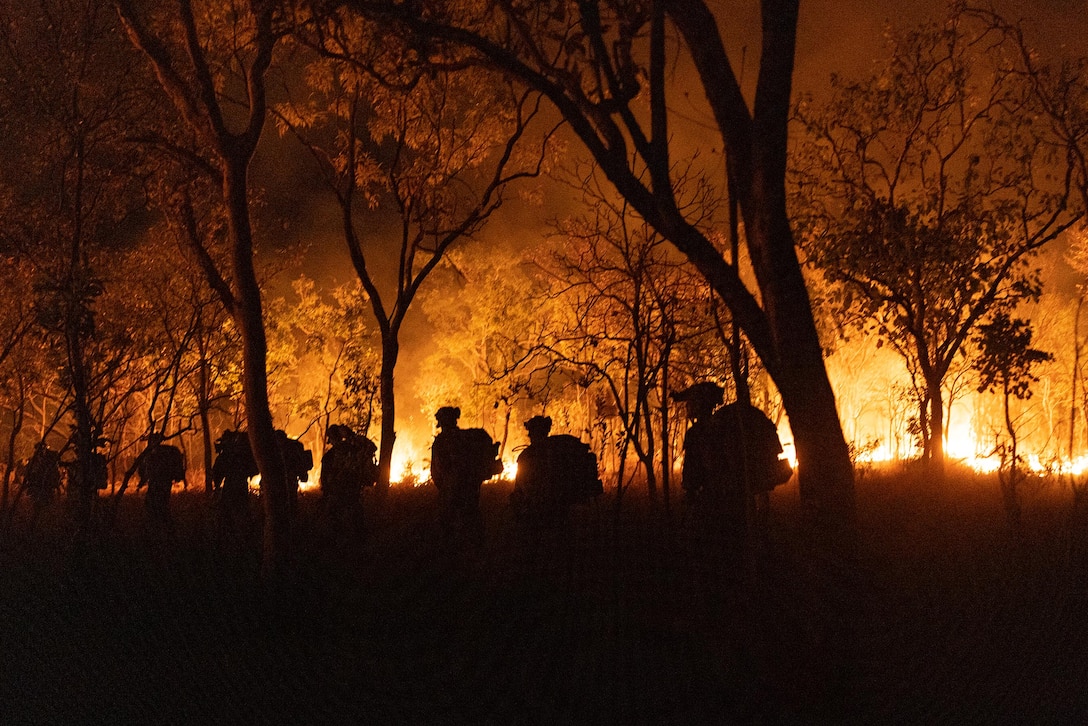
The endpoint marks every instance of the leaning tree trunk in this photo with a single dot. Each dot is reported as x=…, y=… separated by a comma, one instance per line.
x=18, y=415
x=795, y=363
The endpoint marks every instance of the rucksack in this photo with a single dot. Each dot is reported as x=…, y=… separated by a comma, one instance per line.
x=163, y=463
x=750, y=441
x=478, y=454
x=575, y=464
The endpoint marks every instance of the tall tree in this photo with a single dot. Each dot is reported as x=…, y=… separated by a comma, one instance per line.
x=1006, y=363
x=190, y=346
x=440, y=148
x=605, y=67
x=211, y=60
x=324, y=336
x=20, y=346
x=70, y=98
x=926, y=190
x=627, y=304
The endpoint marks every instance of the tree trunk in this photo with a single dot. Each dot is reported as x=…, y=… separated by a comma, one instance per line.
x=208, y=447
x=390, y=353
x=18, y=415
x=666, y=442
x=203, y=408
x=1073, y=381
x=825, y=474
x=248, y=315
x=936, y=428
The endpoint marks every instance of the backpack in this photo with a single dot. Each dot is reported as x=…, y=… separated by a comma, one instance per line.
x=163, y=463
x=750, y=441
x=478, y=454
x=576, y=465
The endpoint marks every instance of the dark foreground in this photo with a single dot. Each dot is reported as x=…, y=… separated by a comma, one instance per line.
x=635, y=617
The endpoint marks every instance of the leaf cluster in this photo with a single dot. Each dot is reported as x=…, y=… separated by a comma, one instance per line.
x=1006, y=359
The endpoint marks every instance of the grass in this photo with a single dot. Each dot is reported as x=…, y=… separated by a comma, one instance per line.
x=630, y=617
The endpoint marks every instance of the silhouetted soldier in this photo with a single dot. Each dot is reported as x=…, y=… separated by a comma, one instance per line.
x=730, y=454
x=346, y=467
x=461, y=460
x=233, y=467
x=704, y=449
x=160, y=466
x=554, y=472
x=41, y=475
x=86, y=476
x=86, y=479
x=298, y=461
x=40, y=479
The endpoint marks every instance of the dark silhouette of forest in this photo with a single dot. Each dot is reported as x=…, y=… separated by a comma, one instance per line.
x=624, y=616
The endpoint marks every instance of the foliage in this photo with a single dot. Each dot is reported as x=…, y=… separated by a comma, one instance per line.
x=438, y=147
x=606, y=69
x=323, y=356
x=1006, y=359
x=925, y=191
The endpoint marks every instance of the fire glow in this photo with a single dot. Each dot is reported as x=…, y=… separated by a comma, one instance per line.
x=963, y=445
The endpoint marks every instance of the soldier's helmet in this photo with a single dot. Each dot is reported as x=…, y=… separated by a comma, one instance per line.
x=447, y=416
x=701, y=398
x=538, y=426
x=335, y=434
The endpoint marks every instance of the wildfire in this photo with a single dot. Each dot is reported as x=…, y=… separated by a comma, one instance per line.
x=407, y=468
x=963, y=445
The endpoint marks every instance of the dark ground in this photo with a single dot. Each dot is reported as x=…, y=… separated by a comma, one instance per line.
x=629, y=618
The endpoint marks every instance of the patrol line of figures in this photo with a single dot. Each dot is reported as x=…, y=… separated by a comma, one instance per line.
x=732, y=453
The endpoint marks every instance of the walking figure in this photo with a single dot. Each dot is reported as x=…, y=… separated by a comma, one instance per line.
x=731, y=457
x=346, y=467
x=298, y=461
x=461, y=460
x=160, y=466
x=554, y=472
x=41, y=475
x=233, y=467
x=39, y=479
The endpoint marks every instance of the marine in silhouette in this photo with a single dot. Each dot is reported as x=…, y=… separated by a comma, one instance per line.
x=346, y=467
x=554, y=472
x=86, y=478
x=461, y=460
x=160, y=466
x=731, y=454
x=298, y=460
x=232, y=469
x=41, y=477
